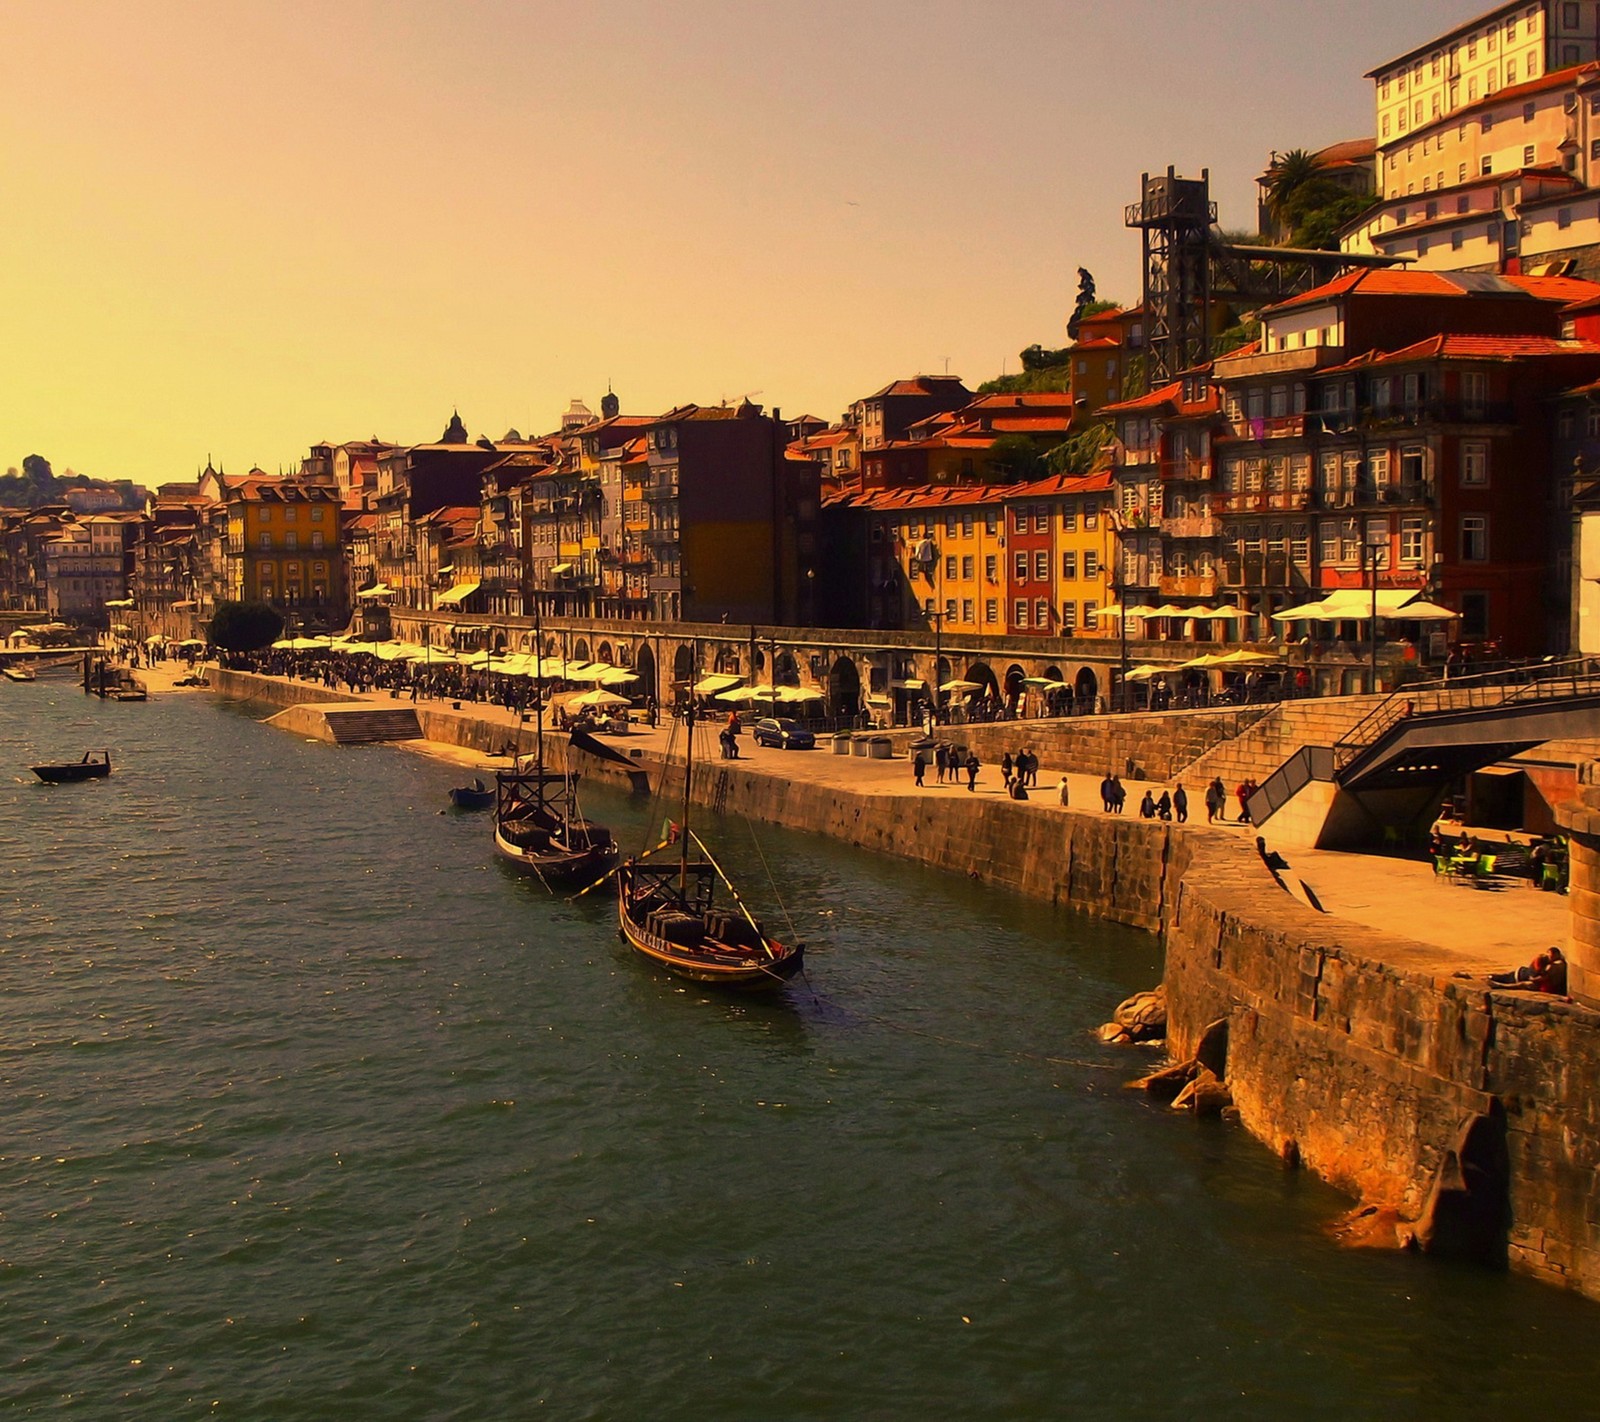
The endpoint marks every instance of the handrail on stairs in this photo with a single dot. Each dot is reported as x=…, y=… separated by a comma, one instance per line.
x=1289, y=779
x=1537, y=681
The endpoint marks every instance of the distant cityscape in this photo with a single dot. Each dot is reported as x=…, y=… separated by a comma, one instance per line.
x=1389, y=400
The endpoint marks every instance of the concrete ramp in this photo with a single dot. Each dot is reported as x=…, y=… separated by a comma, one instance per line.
x=344, y=724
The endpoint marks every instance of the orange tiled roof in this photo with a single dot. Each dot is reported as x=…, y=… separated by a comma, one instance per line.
x=1154, y=400
x=1469, y=348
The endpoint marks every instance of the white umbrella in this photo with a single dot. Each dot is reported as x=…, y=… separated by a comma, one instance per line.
x=598, y=699
x=1242, y=656
x=1145, y=672
x=617, y=676
x=959, y=685
x=795, y=694
x=1425, y=612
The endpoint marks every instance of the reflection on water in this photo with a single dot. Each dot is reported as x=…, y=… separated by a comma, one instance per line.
x=314, y=1108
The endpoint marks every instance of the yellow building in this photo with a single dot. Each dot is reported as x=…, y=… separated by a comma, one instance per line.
x=283, y=544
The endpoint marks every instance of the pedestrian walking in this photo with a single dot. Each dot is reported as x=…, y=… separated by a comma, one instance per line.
x=1164, y=806
x=1005, y=770
x=941, y=761
x=1106, y=794
x=1064, y=792
x=919, y=766
x=972, y=770
x=1119, y=795
x=1243, y=794
x=1180, y=804
x=1216, y=797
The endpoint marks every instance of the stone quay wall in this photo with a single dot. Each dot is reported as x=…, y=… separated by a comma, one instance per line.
x=1348, y=1050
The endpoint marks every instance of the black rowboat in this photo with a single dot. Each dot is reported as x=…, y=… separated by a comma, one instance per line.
x=64, y=773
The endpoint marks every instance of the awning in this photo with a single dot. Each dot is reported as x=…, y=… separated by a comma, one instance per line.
x=119, y=602
x=183, y=606
x=459, y=593
x=382, y=590
x=711, y=685
x=1425, y=612
x=912, y=683
x=1349, y=605
x=120, y=627
x=559, y=568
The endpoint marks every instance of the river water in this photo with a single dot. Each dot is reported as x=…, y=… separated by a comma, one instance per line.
x=313, y=1110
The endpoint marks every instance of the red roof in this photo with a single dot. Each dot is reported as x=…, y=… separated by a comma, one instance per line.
x=1153, y=400
x=1470, y=348
x=1392, y=283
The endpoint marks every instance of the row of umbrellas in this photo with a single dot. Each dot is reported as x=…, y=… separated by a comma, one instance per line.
x=528, y=664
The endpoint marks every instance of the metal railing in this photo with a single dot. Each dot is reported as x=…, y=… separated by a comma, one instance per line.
x=1535, y=682
x=1289, y=779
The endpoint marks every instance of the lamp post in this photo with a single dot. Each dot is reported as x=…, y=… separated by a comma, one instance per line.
x=1373, y=546
x=938, y=658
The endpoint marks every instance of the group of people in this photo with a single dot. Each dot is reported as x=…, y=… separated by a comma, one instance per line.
x=1173, y=804
x=1023, y=768
x=1217, y=800
x=949, y=761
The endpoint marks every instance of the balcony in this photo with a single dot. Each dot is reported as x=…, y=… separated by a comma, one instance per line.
x=1189, y=526
x=1296, y=502
x=1190, y=469
x=1262, y=570
x=1188, y=585
x=1273, y=427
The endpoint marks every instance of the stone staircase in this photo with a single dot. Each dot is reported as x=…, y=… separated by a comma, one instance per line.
x=362, y=724
x=1320, y=721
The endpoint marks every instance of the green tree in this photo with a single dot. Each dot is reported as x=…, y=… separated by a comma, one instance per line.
x=1014, y=457
x=245, y=626
x=1289, y=173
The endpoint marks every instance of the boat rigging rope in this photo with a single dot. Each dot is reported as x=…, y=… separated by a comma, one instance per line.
x=783, y=908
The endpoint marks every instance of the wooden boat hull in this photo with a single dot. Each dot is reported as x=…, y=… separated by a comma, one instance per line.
x=559, y=868
x=18, y=674
x=72, y=771
x=742, y=967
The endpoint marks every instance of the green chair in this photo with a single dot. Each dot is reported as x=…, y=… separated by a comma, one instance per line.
x=1483, y=872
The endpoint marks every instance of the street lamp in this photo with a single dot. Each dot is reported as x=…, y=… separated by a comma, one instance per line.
x=1374, y=547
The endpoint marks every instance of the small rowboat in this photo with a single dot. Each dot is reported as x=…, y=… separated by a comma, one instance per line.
x=17, y=672
x=66, y=772
x=476, y=796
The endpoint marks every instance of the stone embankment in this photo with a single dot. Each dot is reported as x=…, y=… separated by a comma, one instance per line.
x=1464, y=1119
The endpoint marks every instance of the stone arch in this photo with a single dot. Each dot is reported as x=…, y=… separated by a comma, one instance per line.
x=1052, y=674
x=525, y=642
x=1014, y=684
x=602, y=653
x=499, y=642
x=982, y=675
x=844, y=688
x=1086, y=685
x=644, y=666
x=727, y=659
x=785, y=670
x=580, y=650
x=682, y=666
x=552, y=646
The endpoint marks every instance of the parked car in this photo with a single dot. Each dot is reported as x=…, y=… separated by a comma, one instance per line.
x=786, y=735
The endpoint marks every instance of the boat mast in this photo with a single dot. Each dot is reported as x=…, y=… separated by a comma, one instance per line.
x=688, y=776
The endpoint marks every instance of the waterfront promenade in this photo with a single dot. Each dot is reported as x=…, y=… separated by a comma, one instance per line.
x=1473, y=931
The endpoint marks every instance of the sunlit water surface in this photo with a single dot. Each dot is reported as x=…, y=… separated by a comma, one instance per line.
x=313, y=1110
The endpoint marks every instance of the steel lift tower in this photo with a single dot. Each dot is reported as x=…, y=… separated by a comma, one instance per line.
x=1189, y=270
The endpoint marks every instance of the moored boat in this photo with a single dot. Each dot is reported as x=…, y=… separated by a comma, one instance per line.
x=67, y=771
x=537, y=830
x=476, y=796
x=669, y=914
x=17, y=672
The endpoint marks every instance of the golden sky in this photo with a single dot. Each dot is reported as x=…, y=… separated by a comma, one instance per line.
x=236, y=228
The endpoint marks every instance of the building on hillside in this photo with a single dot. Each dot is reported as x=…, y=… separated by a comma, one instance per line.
x=1162, y=471
x=1350, y=166
x=1102, y=358
x=732, y=519
x=449, y=558
x=284, y=546
x=1439, y=79
x=87, y=564
x=1420, y=463
x=412, y=483
x=887, y=414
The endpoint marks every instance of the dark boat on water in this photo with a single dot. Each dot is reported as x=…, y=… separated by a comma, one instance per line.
x=537, y=825
x=476, y=796
x=89, y=768
x=669, y=914
x=537, y=828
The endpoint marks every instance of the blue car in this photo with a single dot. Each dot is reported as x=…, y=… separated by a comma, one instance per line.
x=786, y=735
